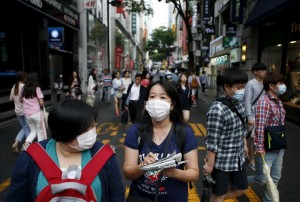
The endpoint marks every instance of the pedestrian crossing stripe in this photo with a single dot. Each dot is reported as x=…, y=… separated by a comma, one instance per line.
x=195, y=129
x=4, y=184
x=202, y=129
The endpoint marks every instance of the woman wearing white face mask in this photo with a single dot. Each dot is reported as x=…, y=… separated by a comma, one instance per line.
x=269, y=112
x=73, y=143
x=156, y=137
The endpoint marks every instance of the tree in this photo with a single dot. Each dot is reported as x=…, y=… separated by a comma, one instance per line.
x=144, y=7
x=139, y=6
x=160, y=45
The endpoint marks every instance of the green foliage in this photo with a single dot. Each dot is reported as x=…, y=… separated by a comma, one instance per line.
x=139, y=6
x=98, y=34
x=160, y=44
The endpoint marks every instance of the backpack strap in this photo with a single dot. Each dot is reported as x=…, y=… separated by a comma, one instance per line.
x=180, y=136
x=256, y=99
x=44, y=161
x=93, y=167
x=231, y=106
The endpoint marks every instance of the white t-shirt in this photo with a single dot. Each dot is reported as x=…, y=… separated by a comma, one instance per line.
x=16, y=98
x=126, y=83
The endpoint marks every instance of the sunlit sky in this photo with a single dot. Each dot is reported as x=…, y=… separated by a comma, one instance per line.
x=160, y=17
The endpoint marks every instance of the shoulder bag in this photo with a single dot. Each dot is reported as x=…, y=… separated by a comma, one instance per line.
x=275, y=138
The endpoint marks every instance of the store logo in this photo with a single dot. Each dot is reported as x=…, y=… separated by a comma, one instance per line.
x=55, y=34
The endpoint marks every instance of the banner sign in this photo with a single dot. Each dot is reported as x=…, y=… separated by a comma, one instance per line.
x=118, y=54
x=231, y=30
x=207, y=11
x=56, y=10
x=236, y=11
x=133, y=23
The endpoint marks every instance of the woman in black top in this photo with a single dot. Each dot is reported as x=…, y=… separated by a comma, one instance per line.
x=185, y=92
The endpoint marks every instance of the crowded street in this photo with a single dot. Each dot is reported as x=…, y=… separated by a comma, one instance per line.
x=111, y=131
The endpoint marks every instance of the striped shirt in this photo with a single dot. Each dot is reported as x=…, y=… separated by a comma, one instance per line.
x=225, y=135
x=267, y=113
x=107, y=79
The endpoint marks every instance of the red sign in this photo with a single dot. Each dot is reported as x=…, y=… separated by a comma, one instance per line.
x=118, y=53
x=120, y=9
x=131, y=64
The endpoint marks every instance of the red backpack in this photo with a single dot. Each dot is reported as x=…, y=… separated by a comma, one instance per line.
x=63, y=189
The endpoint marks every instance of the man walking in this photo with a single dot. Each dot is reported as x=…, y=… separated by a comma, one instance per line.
x=135, y=99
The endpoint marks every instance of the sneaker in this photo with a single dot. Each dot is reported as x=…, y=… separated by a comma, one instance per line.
x=252, y=166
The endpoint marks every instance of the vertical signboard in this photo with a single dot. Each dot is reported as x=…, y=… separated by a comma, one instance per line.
x=118, y=53
x=133, y=23
x=207, y=11
x=236, y=11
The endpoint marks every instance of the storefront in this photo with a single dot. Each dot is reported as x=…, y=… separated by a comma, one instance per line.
x=26, y=42
x=279, y=46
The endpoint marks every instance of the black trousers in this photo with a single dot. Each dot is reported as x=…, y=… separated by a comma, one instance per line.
x=134, y=111
x=124, y=98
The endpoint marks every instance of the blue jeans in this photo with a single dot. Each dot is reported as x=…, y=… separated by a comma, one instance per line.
x=24, y=128
x=107, y=91
x=274, y=161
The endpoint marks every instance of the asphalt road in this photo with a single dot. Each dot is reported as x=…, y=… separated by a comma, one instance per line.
x=111, y=131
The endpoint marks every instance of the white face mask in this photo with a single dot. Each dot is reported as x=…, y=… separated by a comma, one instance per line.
x=158, y=109
x=85, y=140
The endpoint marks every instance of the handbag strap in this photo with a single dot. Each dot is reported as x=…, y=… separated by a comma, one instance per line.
x=279, y=108
x=254, y=102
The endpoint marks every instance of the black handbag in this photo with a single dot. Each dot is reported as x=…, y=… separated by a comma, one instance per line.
x=124, y=117
x=275, y=138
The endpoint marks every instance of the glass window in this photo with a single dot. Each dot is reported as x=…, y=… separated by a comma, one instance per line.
x=271, y=56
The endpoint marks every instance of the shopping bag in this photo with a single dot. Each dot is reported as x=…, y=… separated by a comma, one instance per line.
x=124, y=117
x=271, y=187
x=90, y=100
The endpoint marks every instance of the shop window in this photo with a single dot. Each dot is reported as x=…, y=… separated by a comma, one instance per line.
x=293, y=71
x=271, y=56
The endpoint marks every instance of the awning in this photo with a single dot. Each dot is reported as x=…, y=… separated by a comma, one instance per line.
x=264, y=9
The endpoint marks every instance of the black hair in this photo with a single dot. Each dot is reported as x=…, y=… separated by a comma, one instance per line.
x=70, y=118
x=258, y=66
x=233, y=76
x=20, y=77
x=176, y=113
x=272, y=78
x=138, y=75
x=92, y=73
x=179, y=80
x=30, y=85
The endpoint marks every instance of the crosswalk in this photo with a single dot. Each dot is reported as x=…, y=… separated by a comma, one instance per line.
x=117, y=132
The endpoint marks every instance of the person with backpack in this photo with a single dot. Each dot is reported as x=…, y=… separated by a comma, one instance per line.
x=225, y=140
x=160, y=133
x=194, y=82
x=71, y=165
x=253, y=91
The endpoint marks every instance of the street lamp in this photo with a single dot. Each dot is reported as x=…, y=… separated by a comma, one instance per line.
x=115, y=3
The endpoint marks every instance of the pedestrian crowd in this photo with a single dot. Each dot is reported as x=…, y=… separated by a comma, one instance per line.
x=242, y=125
